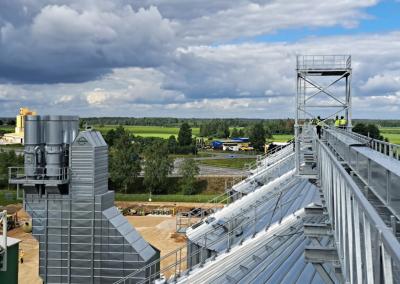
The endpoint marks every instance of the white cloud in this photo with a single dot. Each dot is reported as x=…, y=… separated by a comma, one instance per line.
x=63, y=44
x=251, y=18
x=171, y=57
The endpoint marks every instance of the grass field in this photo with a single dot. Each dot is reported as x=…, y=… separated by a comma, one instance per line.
x=7, y=128
x=147, y=131
x=281, y=137
x=166, y=132
x=392, y=133
x=228, y=163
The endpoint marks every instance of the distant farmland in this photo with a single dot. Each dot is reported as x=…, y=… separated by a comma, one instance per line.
x=147, y=131
x=165, y=132
x=391, y=133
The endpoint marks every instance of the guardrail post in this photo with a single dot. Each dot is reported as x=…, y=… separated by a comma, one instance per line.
x=393, y=223
x=228, y=247
x=387, y=266
x=388, y=199
x=255, y=222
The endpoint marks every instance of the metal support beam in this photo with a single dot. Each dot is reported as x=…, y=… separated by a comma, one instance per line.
x=317, y=230
x=322, y=272
x=314, y=211
x=320, y=254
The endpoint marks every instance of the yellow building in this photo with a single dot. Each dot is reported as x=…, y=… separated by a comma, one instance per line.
x=18, y=136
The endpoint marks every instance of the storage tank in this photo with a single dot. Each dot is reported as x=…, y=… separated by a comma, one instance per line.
x=53, y=139
x=33, y=144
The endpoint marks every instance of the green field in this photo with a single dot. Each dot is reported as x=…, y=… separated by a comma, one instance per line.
x=281, y=137
x=391, y=133
x=235, y=163
x=147, y=131
x=7, y=128
x=166, y=132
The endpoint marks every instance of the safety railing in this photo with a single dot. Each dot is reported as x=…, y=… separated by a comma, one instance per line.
x=274, y=170
x=368, y=250
x=180, y=262
x=187, y=219
x=381, y=180
x=389, y=149
x=36, y=175
x=270, y=157
x=323, y=62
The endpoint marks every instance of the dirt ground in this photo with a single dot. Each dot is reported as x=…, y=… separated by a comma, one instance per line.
x=29, y=270
x=157, y=230
x=178, y=206
x=160, y=232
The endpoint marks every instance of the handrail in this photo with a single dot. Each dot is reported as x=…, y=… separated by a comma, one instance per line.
x=386, y=148
x=226, y=235
x=195, y=213
x=275, y=152
x=353, y=218
x=380, y=178
x=37, y=173
x=315, y=62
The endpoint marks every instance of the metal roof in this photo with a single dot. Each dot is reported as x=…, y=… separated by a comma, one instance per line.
x=91, y=137
x=270, y=204
x=272, y=256
x=266, y=172
x=131, y=236
x=379, y=158
x=10, y=241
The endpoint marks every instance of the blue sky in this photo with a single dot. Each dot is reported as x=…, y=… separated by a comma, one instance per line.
x=190, y=58
x=382, y=18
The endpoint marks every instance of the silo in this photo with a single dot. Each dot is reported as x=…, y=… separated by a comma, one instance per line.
x=33, y=144
x=53, y=139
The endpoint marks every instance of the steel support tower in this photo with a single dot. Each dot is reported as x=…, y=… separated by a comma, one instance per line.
x=323, y=89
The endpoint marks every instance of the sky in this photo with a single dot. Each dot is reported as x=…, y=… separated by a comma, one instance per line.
x=197, y=58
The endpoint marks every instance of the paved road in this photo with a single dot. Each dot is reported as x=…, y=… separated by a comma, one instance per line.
x=206, y=170
x=228, y=155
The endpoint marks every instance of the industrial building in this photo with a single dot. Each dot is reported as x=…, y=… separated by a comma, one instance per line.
x=18, y=136
x=324, y=211
x=9, y=254
x=317, y=210
x=82, y=236
x=234, y=144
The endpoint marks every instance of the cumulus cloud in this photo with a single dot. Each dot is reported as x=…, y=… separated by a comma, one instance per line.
x=181, y=58
x=62, y=44
x=55, y=41
x=251, y=18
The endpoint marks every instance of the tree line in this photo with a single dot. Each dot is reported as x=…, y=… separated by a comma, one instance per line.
x=131, y=156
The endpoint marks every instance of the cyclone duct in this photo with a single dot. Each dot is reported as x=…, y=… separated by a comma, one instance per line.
x=82, y=236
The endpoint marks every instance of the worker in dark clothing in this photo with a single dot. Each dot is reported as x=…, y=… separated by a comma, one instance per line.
x=319, y=127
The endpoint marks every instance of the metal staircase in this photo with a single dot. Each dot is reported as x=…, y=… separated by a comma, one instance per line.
x=361, y=222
